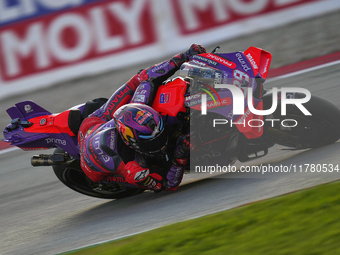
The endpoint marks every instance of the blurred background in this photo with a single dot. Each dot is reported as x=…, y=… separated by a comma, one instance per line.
x=88, y=48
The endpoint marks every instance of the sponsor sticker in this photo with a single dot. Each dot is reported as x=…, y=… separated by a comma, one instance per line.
x=164, y=98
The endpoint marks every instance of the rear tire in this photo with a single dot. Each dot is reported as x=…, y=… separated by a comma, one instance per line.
x=76, y=180
x=320, y=129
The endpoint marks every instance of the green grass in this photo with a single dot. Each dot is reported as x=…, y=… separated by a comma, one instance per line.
x=304, y=222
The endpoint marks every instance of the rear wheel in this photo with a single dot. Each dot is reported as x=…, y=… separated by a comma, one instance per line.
x=76, y=180
x=319, y=129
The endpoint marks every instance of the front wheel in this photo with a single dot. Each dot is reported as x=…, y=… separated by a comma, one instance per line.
x=76, y=180
x=301, y=132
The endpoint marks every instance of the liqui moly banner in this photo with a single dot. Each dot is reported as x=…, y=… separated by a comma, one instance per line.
x=46, y=41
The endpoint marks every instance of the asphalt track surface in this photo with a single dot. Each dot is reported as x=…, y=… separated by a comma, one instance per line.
x=39, y=215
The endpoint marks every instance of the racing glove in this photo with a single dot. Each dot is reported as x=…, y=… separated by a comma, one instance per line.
x=194, y=49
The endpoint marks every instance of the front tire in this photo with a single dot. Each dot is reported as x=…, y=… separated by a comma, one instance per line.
x=320, y=129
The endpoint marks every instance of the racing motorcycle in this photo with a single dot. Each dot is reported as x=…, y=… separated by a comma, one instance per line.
x=196, y=101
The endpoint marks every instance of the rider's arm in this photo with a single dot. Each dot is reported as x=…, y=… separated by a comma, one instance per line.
x=145, y=176
x=151, y=78
x=178, y=162
x=142, y=87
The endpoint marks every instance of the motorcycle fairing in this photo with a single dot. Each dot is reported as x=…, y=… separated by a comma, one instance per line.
x=34, y=128
x=248, y=69
x=260, y=60
x=26, y=109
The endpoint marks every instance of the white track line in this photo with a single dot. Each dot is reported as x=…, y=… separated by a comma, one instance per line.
x=4, y=151
x=310, y=69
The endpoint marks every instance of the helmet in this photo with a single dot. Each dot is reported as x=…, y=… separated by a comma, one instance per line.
x=141, y=128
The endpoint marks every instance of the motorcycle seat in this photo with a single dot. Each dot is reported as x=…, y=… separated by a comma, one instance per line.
x=74, y=120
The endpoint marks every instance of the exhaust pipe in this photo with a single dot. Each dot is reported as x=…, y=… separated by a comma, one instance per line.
x=42, y=160
x=49, y=160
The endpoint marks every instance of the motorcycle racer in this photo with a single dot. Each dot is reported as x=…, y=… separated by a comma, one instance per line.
x=124, y=139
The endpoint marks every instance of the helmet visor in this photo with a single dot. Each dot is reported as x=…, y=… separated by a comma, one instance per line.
x=154, y=145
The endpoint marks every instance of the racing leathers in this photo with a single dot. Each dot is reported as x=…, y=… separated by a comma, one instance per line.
x=106, y=158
